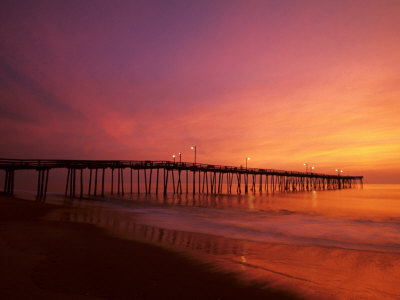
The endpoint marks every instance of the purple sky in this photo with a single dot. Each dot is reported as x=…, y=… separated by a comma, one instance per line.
x=284, y=82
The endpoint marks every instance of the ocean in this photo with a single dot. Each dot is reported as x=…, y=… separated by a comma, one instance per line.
x=338, y=244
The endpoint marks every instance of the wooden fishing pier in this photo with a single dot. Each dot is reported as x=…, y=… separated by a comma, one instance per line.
x=162, y=176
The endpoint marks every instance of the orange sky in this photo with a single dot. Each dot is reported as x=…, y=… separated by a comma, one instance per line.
x=284, y=83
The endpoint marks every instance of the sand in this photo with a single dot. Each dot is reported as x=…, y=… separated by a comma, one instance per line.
x=42, y=259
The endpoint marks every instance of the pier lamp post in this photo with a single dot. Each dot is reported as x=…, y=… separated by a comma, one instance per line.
x=247, y=158
x=306, y=164
x=180, y=157
x=339, y=171
x=173, y=156
x=195, y=150
x=312, y=168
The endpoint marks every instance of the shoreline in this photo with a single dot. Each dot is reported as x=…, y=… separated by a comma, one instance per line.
x=59, y=260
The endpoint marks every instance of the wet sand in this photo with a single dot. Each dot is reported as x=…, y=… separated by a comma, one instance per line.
x=42, y=259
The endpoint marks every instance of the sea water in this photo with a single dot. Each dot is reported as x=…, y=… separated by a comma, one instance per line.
x=338, y=244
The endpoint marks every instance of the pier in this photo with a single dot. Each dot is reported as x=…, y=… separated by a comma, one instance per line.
x=159, y=177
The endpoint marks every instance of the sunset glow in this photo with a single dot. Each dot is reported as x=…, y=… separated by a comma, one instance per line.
x=282, y=82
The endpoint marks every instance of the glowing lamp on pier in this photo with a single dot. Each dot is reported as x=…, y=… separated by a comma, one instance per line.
x=306, y=165
x=195, y=150
x=312, y=168
x=339, y=171
x=173, y=156
x=180, y=157
x=247, y=159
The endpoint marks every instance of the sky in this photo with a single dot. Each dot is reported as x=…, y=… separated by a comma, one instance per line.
x=282, y=82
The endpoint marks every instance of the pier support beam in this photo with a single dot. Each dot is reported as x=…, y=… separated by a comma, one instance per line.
x=194, y=181
x=81, y=185
x=9, y=181
x=102, y=182
x=43, y=179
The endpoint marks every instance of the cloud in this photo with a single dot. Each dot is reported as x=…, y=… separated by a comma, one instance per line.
x=283, y=83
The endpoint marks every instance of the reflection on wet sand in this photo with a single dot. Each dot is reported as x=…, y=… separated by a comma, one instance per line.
x=314, y=272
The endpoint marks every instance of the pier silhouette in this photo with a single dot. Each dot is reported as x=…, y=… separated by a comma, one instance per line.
x=204, y=178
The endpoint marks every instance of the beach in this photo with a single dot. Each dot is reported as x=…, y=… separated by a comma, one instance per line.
x=43, y=259
x=339, y=244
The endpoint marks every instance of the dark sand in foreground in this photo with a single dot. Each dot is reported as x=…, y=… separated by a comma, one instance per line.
x=56, y=260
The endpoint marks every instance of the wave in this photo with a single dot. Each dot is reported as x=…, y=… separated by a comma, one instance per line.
x=282, y=226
